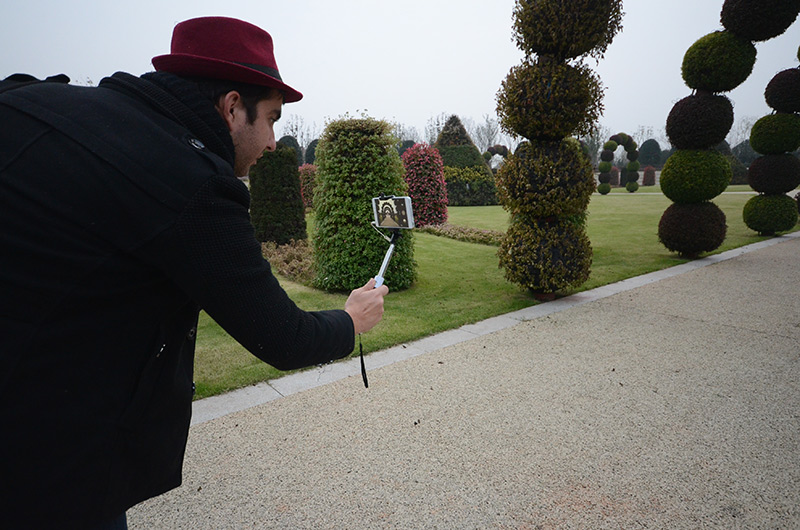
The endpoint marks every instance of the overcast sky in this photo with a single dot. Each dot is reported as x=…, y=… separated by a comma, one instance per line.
x=403, y=61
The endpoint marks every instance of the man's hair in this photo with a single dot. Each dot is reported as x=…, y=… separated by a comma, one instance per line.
x=213, y=89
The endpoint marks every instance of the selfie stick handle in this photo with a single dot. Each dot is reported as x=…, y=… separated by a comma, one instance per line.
x=379, y=278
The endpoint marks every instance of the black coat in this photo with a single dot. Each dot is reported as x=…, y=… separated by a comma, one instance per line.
x=120, y=217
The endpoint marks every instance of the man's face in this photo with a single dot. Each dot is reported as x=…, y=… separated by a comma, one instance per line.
x=250, y=140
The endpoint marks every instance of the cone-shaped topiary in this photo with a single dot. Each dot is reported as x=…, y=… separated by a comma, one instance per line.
x=691, y=229
x=356, y=161
x=783, y=91
x=770, y=214
x=546, y=255
x=276, y=204
x=426, y=186
x=774, y=174
x=544, y=179
x=758, y=20
x=775, y=134
x=549, y=100
x=470, y=181
x=699, y=121
x=565, y=30
x=692, y=176
x=718, y=62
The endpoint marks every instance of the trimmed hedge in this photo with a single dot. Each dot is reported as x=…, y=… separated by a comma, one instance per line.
x=426, y=184
x=693, y=176
x=699, y=121
x=770, y=214
x=469, y=186
x=776, y=133
x=718, y=62
x=691, y=229
x=774, y=174
x=759, y=20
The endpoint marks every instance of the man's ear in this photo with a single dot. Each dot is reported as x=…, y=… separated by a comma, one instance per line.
x=228, y=107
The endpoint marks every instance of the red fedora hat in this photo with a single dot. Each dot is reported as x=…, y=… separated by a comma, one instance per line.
x=224, y=48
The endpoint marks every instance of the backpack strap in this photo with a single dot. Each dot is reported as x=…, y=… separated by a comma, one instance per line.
x=20, y=80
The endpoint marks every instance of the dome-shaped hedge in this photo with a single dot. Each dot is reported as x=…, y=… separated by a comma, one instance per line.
x=699, y=121
x=544, y=179
x=758, y=20
x=693, y=176
x=775, y=134
x=783, y=91
x=718, y=62
x=768, y=214
x=541, y=28
x=691, y=229
x=774, y=174
x=549, y=100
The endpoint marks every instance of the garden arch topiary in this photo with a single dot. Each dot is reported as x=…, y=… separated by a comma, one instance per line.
x=631, y=173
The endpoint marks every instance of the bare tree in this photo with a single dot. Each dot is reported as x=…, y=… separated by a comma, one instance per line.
x=594, y=141
x=403, y=133
x=485, y=134
x=294, y=125
x=741, y=130
x=434, y=127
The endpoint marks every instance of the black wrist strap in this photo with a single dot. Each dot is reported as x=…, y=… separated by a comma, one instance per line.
x=363, y=368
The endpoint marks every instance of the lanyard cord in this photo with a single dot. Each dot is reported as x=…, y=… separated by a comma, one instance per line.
x=363, y=368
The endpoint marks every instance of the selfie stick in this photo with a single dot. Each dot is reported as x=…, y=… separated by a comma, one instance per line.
x=379, y=278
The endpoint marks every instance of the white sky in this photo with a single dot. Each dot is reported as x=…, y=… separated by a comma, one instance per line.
x=403, y=61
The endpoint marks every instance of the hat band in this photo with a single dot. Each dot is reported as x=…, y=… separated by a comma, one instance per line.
x=272, y=72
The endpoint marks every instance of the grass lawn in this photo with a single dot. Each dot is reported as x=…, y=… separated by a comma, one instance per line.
x=460, y=283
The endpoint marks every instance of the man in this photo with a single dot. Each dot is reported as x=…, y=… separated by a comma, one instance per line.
x=121, y=218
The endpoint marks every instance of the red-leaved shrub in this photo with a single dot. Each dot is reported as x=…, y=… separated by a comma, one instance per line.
x=308, y=178
x=649, y=176
x=426, y=185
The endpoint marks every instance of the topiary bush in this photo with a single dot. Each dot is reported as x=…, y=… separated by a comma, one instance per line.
x=775, y=134
x=649, y=178
x=770, y=214
x=650, y=153
x=783, y=91
x=691, y=229
x=629, y=173
x=718, y=62
x=356, y=161
x=308, y=181
x=311, y=152
x=699, y=121
x=276, y=204
x=604, y=188
x=692, y=176
x=426, y=184
x=469, y=186
x=758, y=20
x=774, y=174
x=291, y=141
x=459, y=152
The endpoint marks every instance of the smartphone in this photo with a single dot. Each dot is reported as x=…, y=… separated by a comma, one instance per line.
x=393, y=212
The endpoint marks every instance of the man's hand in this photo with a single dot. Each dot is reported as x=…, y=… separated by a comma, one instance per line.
x=365, y=306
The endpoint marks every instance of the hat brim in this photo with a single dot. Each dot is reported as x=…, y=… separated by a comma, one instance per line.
x=192, y=65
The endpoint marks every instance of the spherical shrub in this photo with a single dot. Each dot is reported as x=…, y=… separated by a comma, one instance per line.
x=718, y=62
x=775, y=134
x=774, y=174
x=632, y=186
x=606, y=155
x=544, y=179
x=690, y=229
x=692, y=176
x=783, y=91
x=649, y=178
x=546, y=255
x=564, y=31
x=633, y=166
x=758, y=20
x=604, y=178
x=610, y=145
x=549, y=100
x=632, y=156
x=604, y=167
x=603, y=188
x=699, y=121
x=769, y=214
x=632, y=176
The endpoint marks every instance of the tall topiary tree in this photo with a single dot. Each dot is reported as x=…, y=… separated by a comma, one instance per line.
x=291, y=141
x=426, y=186
x=276, y=205
x=696, y=172
x=311, y=152
x=356, y=161
x=470, y=181
x=777, y=171
x=650, y=153
x=308, y=181
x=547, y=183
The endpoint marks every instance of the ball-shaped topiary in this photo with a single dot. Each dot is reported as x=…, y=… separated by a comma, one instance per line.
x=426, y=186
x=276, y=204
x=603, y=188
x=775, y=134
x=546, y=255
x=356, y=161
x=783, y=91
x=544, y=179
x=549, y=100
x=608, y=155
x=693, y=176
x=699, y=121
x=758, y=20
x=774, y=174
x=718, y=62
x=541, y=27
x=604, y=178
x=691, y=229
x=632, y=186
x=770, y=214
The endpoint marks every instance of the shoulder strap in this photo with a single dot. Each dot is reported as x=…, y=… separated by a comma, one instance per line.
x=20, y=80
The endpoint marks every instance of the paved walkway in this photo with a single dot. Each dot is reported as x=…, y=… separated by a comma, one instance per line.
x=671, y=400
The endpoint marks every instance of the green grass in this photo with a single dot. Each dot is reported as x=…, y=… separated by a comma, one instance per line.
x=460, y=283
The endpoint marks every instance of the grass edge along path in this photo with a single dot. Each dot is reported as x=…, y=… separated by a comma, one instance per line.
x=460, y=283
